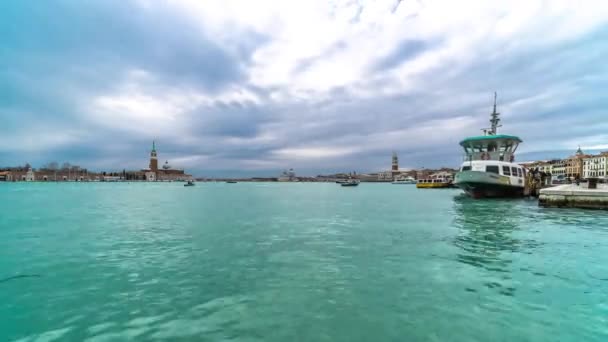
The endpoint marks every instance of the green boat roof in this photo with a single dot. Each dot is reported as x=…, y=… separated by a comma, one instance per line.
x=490, y=137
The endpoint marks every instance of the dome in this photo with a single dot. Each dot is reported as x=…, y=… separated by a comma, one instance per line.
x=166, y=166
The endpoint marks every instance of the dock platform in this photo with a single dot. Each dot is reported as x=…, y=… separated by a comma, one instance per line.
x=574, y=196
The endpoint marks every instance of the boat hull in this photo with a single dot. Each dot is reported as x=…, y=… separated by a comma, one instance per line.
x=433, y=185
x=478, y=184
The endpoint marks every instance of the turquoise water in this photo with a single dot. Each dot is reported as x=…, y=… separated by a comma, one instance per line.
x=304, y=262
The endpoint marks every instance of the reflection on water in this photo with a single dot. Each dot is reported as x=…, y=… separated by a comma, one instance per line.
x=486, y=237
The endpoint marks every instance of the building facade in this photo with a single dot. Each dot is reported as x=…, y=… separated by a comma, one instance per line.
x=395, y=172
x=166, y=173
x=558, y=169
x=596, y=166
x=75, y=174
x=574, y=164
x=6, y=176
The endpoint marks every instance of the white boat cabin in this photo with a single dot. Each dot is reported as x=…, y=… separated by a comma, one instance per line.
x=491, y=147
x=494, y=154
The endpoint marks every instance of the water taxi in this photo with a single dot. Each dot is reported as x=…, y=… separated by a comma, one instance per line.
x=350, y=182
x=436, y=181
x=189, y=183
x=489, y=169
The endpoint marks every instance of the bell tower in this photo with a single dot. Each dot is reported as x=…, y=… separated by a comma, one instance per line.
x=395, y=163
x=153, y=158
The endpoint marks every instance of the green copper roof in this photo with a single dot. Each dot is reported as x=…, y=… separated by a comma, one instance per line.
x=490, y=137
x=153, y=146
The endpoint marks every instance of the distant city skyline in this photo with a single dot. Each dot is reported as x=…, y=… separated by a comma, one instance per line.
x=240, y=88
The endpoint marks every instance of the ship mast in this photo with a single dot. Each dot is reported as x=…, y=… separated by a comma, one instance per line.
x=494, y=119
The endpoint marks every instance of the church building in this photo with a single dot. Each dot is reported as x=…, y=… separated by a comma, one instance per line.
x=166, y=173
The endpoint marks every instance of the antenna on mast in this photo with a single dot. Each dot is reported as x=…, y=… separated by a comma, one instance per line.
x=494, y=120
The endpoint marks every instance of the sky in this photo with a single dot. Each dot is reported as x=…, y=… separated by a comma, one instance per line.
x=249, y=88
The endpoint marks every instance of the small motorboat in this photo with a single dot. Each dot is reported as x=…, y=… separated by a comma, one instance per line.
x=350, y=182
x=231, y=182
x=189, y=183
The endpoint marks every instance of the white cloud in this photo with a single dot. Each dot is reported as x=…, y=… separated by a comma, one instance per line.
x=332, y=81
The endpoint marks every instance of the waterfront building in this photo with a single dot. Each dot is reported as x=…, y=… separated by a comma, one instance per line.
x=558, y=169
x=574, y=164
x=30, y=175
x=150, y=176
x=288, y=176
x=395, y=165
x=75, y=173
x=6, y=176
x=395, y=172
x=545, y=166
x=596, y=166
x=166, y=173
x=153, y=158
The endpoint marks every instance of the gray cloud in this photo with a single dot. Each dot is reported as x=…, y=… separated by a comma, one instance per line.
x=550, y=95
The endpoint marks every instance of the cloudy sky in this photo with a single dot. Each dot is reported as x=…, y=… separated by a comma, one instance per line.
x=253, y=87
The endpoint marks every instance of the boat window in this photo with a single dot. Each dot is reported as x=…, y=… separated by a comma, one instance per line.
x=520, y=172
x=506, y=171
x=466, y=168
x=492, y=168
x=492, y=147
x=514, y=171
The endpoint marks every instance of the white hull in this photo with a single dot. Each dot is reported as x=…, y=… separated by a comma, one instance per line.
x=478, y=179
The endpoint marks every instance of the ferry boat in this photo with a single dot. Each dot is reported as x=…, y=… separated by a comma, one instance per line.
x=404, y=181
x=350, y=182
x=436, y=181
x=489, y=169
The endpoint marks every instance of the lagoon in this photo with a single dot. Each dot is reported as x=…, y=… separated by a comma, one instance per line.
x=295, y=261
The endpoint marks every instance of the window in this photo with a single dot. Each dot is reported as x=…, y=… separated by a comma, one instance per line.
x=466, y=168
x=506, y=171
x=520, y=172
x=514, y=171
x=492, y=168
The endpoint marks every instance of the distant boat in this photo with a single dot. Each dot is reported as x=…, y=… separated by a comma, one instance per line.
x=440, y=180
x=350, y=182
x=190, y=183
x=406, y=180
x=341, y=181
x=230, y=182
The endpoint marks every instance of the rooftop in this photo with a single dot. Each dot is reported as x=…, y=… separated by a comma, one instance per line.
x=490, y=137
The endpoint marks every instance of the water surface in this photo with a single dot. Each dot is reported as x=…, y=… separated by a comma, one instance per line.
x=305, y=262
